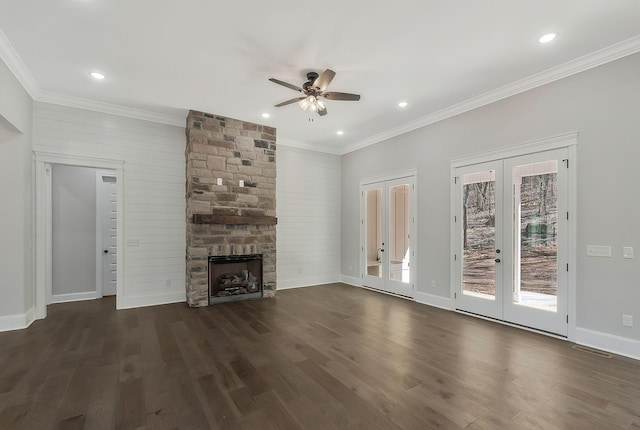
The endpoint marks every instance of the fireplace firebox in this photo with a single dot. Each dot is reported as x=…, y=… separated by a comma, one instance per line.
x=235, y=277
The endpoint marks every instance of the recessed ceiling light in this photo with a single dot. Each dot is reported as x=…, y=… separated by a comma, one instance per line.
x=547, y=38
x=266, y=115
x=339, y=132
x=403, y=104
x=97, y=75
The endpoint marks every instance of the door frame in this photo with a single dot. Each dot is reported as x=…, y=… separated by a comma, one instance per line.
x=568, y=141
x=43, y=224
x=99, y=233
x=413, y=202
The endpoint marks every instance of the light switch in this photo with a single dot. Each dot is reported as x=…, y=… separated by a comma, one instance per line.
x=598, y=251
x=219, y=181
x=627, y=252
x=241, y=182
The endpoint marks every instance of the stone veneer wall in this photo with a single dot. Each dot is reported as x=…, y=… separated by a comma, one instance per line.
x=232, y=150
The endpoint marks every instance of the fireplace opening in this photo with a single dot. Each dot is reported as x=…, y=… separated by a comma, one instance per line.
x=235, y=277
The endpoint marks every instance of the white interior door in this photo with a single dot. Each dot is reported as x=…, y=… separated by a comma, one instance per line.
x=388, y=209
x=107, y=232
x=512, y=240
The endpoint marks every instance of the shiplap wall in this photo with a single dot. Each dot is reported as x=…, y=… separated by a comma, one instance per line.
x=308, y=210
x=154, y=187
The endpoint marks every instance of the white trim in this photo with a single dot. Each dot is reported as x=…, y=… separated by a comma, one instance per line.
x=74, y=297
x=433, y=300
x=608, y=342
x=351, y=280
x=42, y=224
x=99, y=230
x=507, y=323
x=307, y=282
x=572, y=67
x=13, y=61
x=572, y=241
x=152, y=300
x=309, y=146
x=18, y=321
x=17, y=67
x=179, y=120
x=526, y=148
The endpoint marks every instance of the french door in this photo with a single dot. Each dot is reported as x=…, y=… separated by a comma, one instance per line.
x=388, y=241
x=511, y=230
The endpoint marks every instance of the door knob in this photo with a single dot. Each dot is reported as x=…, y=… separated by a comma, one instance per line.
x=106, y=251
x=497, y=260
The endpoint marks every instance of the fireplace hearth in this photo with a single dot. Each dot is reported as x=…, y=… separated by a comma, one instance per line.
x=235, y=277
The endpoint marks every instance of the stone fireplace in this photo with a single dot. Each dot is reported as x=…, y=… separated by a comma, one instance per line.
x=231, y=207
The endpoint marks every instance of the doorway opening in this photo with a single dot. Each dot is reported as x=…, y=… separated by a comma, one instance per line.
x=77, y=220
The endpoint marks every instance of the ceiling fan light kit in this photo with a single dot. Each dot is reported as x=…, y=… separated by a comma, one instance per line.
x=314, y=92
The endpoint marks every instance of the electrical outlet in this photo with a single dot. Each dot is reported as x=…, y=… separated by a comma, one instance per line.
x=627, y=251
x=627, y=320
x=168, y=282
x=241, y=182
x=219, y=181
x=350, y=269
x=433, y=283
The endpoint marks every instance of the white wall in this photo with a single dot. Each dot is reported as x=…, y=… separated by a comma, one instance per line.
x=308, y=210
x=154, y=186
x=16, y=271
x=73, y=230
x=602, y=104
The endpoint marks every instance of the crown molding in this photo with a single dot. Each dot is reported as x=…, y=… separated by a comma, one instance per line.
x=108, y=108
x=308, y=146
x=15, y=64
x=580, y=64
x=13, y=61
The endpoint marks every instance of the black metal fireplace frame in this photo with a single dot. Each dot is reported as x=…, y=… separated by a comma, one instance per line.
x=226, y=259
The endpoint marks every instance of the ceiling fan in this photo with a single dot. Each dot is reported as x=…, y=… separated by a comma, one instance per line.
x=314, y=92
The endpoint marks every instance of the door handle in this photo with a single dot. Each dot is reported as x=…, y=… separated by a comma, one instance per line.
x=106, y=251
x=497, y=260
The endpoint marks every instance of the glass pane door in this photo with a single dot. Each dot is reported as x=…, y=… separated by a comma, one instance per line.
x=398, y=232
x=373, y=242
x=538, y=236
x=479, y=211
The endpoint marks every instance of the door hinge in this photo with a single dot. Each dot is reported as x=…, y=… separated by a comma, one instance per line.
x=566, y=162
x=567, y=319
x=567, y=267
x=455, y=219
x=413, y=186
x=455, y=295
x=455, y=179
x=455, y=257
x=567, y=216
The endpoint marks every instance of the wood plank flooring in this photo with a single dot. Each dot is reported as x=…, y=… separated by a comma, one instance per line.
x=326, y=357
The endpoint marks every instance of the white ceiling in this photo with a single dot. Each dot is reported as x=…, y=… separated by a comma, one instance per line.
x=442, y=57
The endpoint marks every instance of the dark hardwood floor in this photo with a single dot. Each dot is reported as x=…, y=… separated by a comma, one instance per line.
x=327, y=357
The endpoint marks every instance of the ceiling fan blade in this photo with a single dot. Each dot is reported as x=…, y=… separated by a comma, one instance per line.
x=322, y=112
x=324, y=79
x=285, y=84
x=341, y=96
x=288, y=102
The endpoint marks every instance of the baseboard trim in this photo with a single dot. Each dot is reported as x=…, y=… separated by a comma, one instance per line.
x=306, y=282
x=152, y=300
x=608, y=342
x=73, y=297
x=433, y=300
x=356, y=282
x=17, y=322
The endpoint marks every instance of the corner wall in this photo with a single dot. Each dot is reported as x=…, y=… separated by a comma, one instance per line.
x=16, y=251
x=602, y=104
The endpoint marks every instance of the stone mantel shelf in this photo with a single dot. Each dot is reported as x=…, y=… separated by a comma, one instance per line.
x=234, y=219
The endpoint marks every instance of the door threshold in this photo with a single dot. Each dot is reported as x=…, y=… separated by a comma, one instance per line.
x=510, y=324
x=377, y=290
